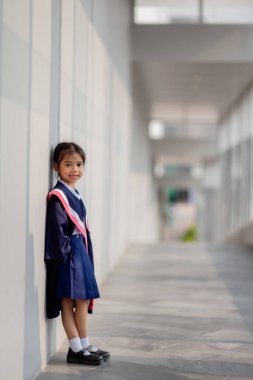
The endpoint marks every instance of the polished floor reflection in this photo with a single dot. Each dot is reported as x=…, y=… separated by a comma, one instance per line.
x=172, y=311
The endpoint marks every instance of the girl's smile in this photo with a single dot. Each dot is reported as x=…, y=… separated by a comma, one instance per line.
x=70, y=169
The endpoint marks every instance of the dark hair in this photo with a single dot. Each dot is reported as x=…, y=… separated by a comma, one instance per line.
x=64, y=148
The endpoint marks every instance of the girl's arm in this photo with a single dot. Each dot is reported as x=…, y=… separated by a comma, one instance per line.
x=58, y=231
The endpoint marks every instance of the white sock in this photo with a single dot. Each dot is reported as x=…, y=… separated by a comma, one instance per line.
x=75, y=344
x=85, y=342
x=93, y=349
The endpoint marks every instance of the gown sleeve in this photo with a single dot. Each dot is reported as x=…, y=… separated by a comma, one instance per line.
x=90, y=247
x=59, y=228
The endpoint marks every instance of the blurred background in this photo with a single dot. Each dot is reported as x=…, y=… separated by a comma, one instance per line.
x=160, y=95
x=199, y=90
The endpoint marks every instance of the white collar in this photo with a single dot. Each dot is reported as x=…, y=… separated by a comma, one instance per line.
x=70, y=189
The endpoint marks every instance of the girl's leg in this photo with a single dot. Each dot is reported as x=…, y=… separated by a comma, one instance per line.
x=75, y=325
x=81, y=317
x=68, y=319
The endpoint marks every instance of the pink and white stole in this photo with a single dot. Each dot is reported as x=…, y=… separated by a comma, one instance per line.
x=80, y=225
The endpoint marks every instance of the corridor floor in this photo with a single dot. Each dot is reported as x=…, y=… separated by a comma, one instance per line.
x=172, y=312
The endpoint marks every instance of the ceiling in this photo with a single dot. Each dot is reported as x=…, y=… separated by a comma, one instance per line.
x=187, y=93
x=191, y=77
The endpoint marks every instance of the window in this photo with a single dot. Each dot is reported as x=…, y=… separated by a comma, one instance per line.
x=193, y=11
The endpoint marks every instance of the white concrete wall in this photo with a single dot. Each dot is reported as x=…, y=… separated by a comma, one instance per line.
x=24, y=151
x=64, y=74
x=143, y=204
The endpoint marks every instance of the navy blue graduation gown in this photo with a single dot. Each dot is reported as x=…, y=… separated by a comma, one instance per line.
x=59, y=230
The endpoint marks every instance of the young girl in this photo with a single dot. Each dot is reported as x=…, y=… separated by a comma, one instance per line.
x=71, y=286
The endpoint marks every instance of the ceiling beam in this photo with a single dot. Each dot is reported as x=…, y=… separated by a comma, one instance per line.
x=179, y=182
x=197, y=149
x=192, y=43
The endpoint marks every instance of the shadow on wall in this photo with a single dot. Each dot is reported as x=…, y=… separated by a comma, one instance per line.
x=31, y=349
x=51, y=338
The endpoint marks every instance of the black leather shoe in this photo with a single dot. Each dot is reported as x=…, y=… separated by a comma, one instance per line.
x=105, y=355
x=80, y=358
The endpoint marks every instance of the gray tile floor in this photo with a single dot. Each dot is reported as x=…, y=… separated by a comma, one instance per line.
x=174, y=312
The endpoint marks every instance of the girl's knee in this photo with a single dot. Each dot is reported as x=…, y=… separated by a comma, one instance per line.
x=67, y=302
x=82, y=303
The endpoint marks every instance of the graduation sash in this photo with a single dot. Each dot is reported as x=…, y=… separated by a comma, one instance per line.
x=73, y=215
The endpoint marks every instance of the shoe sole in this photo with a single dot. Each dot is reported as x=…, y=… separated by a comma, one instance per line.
x=80, y=361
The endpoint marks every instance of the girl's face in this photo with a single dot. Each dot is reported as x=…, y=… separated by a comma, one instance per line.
x=70, y=169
